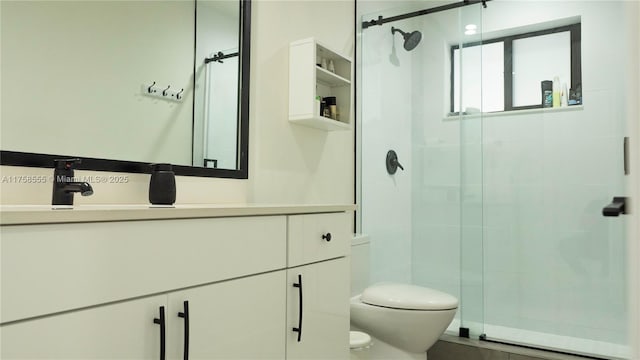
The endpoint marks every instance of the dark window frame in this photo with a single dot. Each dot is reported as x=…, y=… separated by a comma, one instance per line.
x=576, y=61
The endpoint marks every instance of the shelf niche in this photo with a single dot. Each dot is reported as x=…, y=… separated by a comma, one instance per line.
x=308, y=80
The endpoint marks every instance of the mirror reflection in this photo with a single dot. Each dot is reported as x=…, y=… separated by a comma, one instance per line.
x=215, y=130
x=120, y=80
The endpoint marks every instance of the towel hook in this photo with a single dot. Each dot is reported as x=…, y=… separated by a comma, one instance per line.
x=164, y=92
x=150, y=89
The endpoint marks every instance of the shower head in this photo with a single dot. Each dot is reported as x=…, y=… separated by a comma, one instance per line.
x=411, y=40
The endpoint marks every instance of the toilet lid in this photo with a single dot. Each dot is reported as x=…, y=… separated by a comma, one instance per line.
x=410, y=297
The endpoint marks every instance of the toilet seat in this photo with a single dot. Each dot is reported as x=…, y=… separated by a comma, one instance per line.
x=407, y=297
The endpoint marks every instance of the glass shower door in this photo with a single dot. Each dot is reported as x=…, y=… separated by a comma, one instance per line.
x=555, y=268
x=446, y=191
x=469, y=71
x=424, y=221
x=500, y=201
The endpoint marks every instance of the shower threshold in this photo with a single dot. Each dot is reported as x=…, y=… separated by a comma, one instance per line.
x=539, y=345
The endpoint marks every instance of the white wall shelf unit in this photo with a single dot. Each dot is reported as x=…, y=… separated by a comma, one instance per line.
x=308, y=80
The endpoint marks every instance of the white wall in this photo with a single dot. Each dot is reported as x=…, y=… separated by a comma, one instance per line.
x=292, y=163
x=287, y=164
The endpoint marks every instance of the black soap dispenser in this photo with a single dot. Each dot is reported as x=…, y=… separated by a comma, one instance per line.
x=162, y=187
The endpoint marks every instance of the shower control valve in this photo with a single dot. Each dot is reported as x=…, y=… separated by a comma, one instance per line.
x=392, y=162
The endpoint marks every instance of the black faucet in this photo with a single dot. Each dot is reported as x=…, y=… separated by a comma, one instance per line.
x=64, y=183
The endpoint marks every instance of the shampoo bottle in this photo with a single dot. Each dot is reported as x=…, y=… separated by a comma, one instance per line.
x=556, y=92
x=547, y=93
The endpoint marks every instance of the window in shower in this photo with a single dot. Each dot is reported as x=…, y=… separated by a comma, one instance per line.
x=539, y=58
x=513, y=68
x=477, y=95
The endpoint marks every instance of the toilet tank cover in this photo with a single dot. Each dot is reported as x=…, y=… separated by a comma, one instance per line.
x=409, y=297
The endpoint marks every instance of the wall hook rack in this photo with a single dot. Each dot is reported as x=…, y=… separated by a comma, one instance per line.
x=167, y=92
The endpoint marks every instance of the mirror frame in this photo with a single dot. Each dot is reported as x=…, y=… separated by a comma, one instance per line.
x=27, y=159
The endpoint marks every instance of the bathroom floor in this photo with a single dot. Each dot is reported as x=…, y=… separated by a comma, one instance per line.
x=451, y=347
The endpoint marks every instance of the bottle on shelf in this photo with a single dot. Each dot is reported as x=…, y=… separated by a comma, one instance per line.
x=556, y=92
x=332, y=107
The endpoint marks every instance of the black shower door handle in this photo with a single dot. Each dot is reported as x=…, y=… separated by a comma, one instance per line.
x=617, y=206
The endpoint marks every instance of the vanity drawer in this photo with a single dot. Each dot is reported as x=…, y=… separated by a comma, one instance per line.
x=317, y=237
x=57, y=267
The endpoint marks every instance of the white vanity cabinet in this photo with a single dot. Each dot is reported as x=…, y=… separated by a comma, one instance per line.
x=119, y=331
x=237, y=319
x=318, y=284
x=325, y=313
x=94, y=290
x=50, y=268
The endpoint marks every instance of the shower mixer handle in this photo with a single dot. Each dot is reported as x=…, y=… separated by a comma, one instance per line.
x=392, y=162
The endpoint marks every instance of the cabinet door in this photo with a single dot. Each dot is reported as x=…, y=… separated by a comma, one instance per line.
x=119, y=331
x=235, y=319
x=324, y=332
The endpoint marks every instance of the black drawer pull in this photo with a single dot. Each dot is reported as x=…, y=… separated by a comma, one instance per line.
x=299, y=328
x=160, y=321
x=327, y=236
x=185, y=314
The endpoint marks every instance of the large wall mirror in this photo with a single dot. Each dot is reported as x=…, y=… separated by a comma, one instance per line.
x=123, y=84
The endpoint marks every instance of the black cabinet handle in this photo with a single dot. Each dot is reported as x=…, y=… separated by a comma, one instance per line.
x=327, y=236
x=185, y=314
x=160, y=321
x=299, y=328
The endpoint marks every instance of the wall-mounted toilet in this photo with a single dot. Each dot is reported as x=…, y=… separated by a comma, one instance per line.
x=403, y=320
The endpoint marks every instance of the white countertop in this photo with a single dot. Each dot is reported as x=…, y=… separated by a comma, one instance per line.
x=43, y=214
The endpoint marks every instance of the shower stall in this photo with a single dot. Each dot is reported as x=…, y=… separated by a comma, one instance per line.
x=511, y=122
